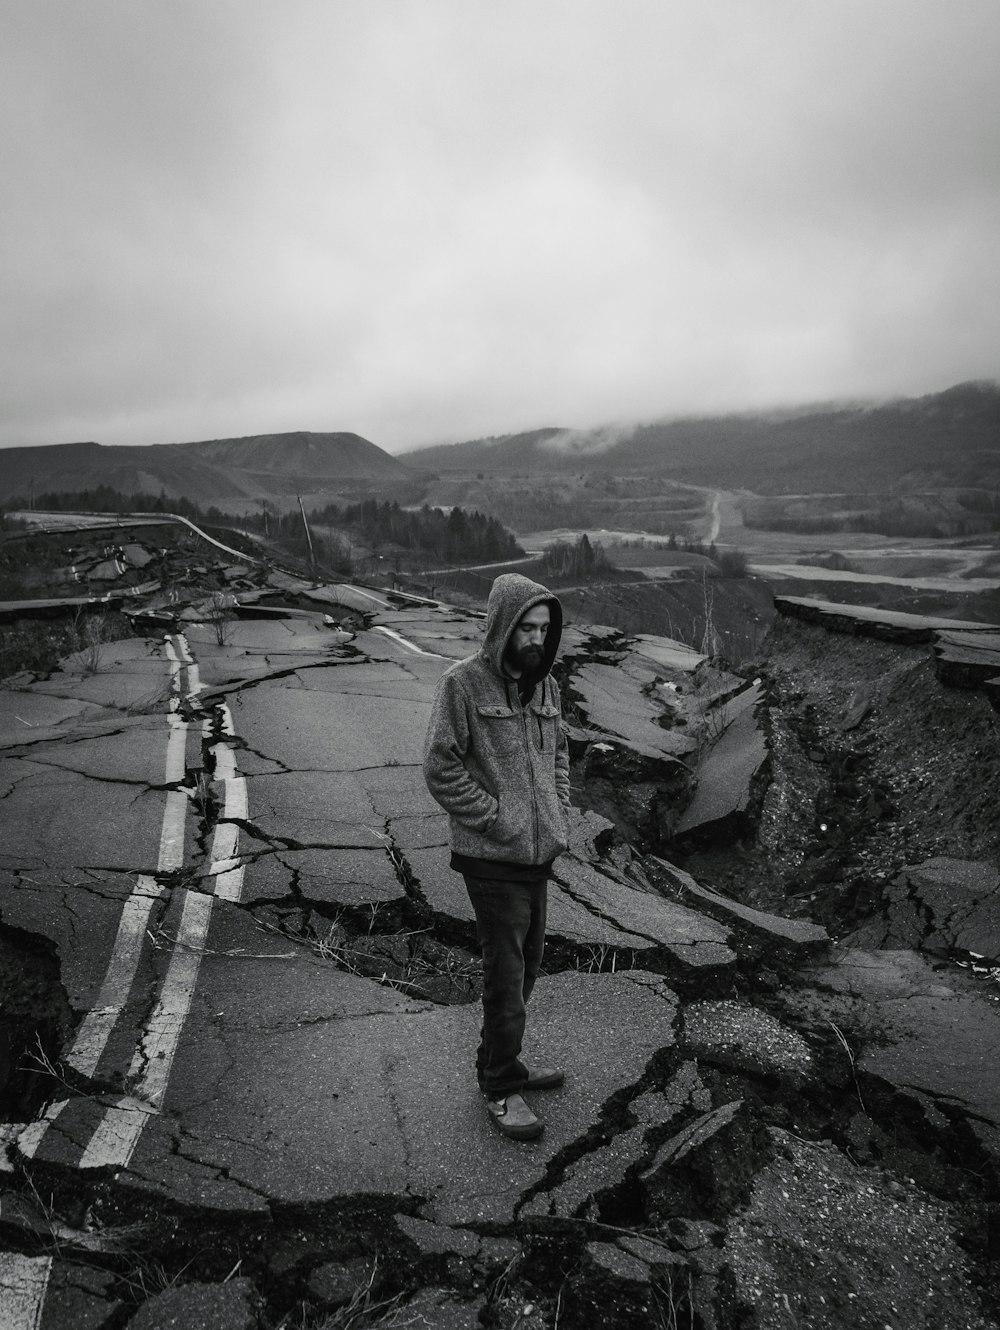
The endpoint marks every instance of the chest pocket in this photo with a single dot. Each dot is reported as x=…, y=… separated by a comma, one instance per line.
x=499, y=740
x=546, y=719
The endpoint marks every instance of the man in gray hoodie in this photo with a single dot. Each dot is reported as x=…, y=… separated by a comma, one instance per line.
x=496, y=760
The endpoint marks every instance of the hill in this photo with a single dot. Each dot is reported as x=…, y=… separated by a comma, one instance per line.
x=214, y=471
x=951, y=438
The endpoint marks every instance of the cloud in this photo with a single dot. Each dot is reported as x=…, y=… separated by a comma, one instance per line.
x=434, y=221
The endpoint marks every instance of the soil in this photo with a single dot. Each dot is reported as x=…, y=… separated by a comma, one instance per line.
x=875, y=766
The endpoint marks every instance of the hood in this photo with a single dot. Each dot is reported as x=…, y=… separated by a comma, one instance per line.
x=511, y=596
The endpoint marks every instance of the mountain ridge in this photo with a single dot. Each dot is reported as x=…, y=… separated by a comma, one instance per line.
x=252, y=468
x=946, y=438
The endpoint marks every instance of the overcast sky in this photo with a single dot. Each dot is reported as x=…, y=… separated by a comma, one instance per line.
x=430, y=220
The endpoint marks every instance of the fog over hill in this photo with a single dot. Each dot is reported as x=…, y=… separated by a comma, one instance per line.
x=943, y=439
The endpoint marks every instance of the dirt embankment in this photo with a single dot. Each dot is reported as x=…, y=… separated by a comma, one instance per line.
x=875, y=765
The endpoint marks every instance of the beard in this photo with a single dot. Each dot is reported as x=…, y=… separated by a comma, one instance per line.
x=528, y=660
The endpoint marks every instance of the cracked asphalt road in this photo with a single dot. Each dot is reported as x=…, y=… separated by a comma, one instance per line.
x=230, y=851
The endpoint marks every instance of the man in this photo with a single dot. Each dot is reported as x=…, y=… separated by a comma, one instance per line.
x=496, y=760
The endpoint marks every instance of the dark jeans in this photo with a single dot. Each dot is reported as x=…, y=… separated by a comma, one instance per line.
x=510, y=922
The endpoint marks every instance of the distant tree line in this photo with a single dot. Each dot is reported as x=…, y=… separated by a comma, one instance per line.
x=453, y=536
x=584, y=560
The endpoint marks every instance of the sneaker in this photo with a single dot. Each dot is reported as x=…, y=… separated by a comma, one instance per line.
x=512, y=1117
x=543, y=1078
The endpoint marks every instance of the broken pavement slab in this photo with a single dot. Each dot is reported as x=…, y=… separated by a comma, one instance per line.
x=378, y=1097
x=642, y=920
x=728, y=774
x=944, y=905
x=667, y=653
x=968, y=659
x=922, y=1026
x=619, y=701
x=870, y=621
x=734, y=1034
x=754, y=928
x=229, y=1306
x=77, y=1296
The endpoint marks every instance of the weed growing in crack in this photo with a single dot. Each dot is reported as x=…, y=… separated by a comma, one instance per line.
x=675, y=1304
x=221, y=615
x=598, y=958
x=203, y=796
x=149, y=704
x=365, y=1309
x=149, y=1278
x=850, y=1057
x=40, y=1064
x=93, y=634
x=423, y=967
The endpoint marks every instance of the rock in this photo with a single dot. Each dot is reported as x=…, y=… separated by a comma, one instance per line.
x=335, y=1283
x=199, y=1307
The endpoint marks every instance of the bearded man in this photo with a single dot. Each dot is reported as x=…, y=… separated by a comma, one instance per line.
x=496, y=759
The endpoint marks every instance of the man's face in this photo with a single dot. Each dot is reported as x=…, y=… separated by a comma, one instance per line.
x=525, y=649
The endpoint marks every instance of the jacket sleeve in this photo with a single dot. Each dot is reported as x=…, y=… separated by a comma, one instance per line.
x=562, y=754
x=445, y=747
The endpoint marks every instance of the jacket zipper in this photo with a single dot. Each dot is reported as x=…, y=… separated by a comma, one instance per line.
x=531, y=781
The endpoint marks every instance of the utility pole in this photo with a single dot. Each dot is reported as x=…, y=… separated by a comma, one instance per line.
x=309, y=539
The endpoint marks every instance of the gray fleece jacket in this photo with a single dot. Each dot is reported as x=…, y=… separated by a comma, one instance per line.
x=500, y=770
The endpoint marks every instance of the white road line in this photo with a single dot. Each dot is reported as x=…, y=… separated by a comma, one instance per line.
x=171, y=852
x=119, y=1130
x=368, y=596
x=23, y=1281
x=96, y=1027
x=224, y=865
x=117, y=1135
x=31, y=1138
x=410, y=646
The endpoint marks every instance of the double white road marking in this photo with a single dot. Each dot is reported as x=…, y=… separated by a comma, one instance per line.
x=23, y=1279
x=117, y=1134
